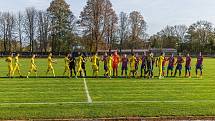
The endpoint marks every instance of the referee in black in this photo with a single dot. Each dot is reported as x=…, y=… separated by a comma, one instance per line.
x=72, y=64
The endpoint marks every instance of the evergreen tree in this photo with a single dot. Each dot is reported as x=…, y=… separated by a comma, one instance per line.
x=60, y=15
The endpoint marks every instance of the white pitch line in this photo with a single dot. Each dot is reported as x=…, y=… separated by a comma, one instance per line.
x=155, y=101
x=89, y=99
x=109, y=102
x=43, y=103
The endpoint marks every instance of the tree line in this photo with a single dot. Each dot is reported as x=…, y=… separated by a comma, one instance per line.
x=198, y=37
x=56, y=29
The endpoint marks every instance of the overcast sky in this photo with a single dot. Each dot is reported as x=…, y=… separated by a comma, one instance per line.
x=157, y=13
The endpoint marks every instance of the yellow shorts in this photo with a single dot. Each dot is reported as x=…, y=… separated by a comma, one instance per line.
x=95, y=68
x=10, y=67
x=50, y=67
x=33, y=68
x=16, y=67
x=109, y=67
x=132, y=68
x=67, y=68
x=79, y=68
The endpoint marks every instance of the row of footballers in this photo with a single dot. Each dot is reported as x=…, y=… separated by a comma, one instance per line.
x=111, y=65
x=172, y=62
x=147, y=62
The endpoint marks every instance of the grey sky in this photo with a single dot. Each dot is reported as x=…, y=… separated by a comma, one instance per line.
x=157, y=13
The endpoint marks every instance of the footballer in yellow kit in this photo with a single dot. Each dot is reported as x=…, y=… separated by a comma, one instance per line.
x=50, y=67
x=160, y=64
x=79, y=65
x=109, y=65
x=67, y=69
x=9, y=60
x=33, y=66
x=17, y=66
x=132, y=61
x=95, y=67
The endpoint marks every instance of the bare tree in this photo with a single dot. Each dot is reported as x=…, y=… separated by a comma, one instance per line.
x=96, y=18
x=111, y=29
x=1, y=31
x=20, y=29
x=138, y=28
x=181, y=31
x=123, y=28
x=30, y=27
x=43, y=30
x=4, y=30
x=200, y=34
x=167, y=31
x=8, y=28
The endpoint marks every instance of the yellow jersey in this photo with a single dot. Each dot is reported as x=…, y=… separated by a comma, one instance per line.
x=132, y=61
x=9, y=60
x=17, y=60
x=32, y=61
x=80, y=60
x=66, y=60
x=160, y=60
x=49, y=61
x=94, y=60
x=109, y=61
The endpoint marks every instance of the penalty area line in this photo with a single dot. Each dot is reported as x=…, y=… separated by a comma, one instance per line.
x=89, y=99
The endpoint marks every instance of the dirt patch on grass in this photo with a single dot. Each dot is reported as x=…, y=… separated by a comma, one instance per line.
x=191, y=118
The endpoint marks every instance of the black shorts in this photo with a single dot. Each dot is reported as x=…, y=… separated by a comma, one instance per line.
x=143, y=66
x=105, y=67
x=83, y=66
x=199, y=67
x=179, y=67
x=72, y=67
x=124, y=68
x=150, y=66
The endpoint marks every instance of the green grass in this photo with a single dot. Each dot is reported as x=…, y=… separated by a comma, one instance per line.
x=37, y=98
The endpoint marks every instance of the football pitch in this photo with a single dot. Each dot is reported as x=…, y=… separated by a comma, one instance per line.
x=63, y=98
